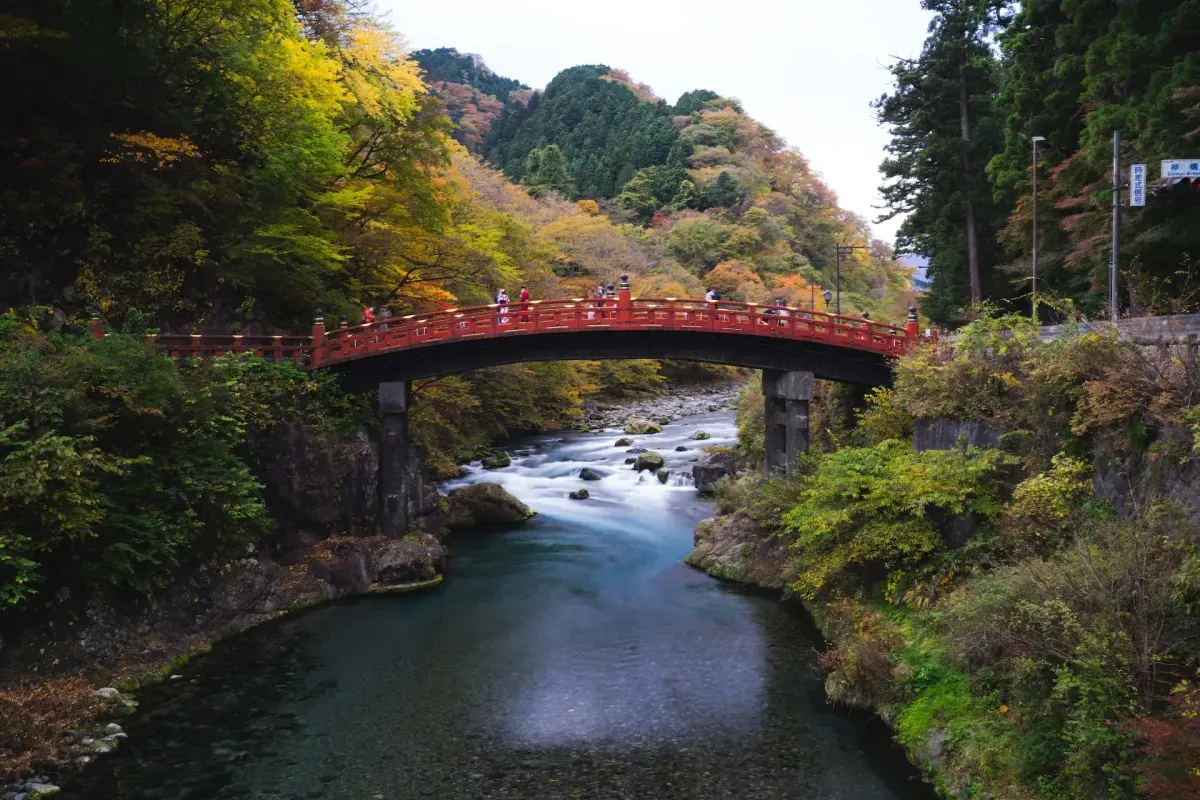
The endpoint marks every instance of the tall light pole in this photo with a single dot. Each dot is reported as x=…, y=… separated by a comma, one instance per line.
x=1033, y=303
x=1116, y=227
x=842, y=250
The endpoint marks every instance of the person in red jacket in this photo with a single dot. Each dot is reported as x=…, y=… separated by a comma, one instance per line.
x=524, y=304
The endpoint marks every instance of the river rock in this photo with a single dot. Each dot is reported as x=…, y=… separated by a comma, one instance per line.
x=681, y=449
x=734, y=547
x=663, y=474
x=485, y=504
x=641, y=425
x=633, y=451
x=652, y=461
x=580, y=494
x=497, y=460
x=711, y=469
x=344, y=563
x=631, y=460
x=700, y=436
x=589, y=474
x=412, y=559
x=664, y=420
x=624, y=441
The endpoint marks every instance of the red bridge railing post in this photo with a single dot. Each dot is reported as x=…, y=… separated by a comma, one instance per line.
x=912, y=329
x=94, y=326
x=624, y=301
x=318, y=339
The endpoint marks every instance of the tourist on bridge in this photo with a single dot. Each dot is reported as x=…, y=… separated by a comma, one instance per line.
x=502, y=306
x=368, y=315
x=524, y=304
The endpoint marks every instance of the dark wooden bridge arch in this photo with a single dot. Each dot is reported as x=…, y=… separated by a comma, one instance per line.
x=792, y=346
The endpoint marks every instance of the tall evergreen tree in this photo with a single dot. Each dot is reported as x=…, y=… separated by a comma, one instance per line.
x=944, y=132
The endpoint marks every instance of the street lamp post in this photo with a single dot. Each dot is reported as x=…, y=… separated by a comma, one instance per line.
x=1033, y=302
x=842, y=250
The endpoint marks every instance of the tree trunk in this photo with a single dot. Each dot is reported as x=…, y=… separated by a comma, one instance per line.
x=972, y=239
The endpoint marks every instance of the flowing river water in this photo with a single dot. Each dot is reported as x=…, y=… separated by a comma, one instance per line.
x=576, y=657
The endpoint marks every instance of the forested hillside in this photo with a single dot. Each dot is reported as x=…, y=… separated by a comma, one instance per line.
x=962, y=117
x=473, y=94
x=715, y=191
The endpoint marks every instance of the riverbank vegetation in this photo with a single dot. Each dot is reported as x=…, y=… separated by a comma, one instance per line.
x=1024, y=614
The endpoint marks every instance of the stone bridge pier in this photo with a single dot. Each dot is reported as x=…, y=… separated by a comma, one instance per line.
x=786, y=396
x=395, y=454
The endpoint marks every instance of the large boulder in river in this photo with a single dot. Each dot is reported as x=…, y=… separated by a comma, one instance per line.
x=711, y=469
x=589, y=474
x=641, y=425
x=485, y=504
x=407, y=560
x=652, y=461
x=700, y=436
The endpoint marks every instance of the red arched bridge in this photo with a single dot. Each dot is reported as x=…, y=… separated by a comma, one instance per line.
x=792, y=346
x=406, y=348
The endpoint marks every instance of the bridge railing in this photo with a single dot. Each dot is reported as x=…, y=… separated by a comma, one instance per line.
x=620, y=313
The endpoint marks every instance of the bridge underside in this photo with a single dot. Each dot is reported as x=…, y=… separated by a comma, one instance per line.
x=828, y=362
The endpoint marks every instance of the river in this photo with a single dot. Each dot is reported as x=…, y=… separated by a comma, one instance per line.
x=576, y=657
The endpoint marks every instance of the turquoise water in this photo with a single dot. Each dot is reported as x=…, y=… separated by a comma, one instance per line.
x=576, y=657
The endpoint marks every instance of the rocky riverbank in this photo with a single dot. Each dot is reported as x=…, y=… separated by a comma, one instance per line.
x=675, y=401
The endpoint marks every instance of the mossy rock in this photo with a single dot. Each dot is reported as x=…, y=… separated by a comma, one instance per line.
x=663, y=474
x=624, y=441
x=589, y=474
x=700, y=436
x=652, y=461
x=497, y=460
x=641, y=425
x=485, y=504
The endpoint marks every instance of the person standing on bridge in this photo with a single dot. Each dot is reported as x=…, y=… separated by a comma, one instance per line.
x=524, y=304
x=368, y=315
x=502, y=306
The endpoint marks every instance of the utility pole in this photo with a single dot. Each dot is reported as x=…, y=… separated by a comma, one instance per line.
x=1116, y=227
x=842, y=250
x=1033, y=302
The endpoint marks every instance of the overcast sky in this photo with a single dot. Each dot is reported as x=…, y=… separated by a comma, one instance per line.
x=806, y=68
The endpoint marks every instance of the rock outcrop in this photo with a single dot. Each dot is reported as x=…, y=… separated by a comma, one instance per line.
x=485, y=504
x=712, y=468
x=412, y=559
x=735, y=548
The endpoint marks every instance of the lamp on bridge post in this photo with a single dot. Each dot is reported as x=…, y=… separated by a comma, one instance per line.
x=828, y=295
x=842, y=250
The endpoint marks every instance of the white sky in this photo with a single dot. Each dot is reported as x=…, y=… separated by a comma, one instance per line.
x=808, y=69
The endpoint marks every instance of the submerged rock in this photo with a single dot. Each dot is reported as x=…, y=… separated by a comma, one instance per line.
x=641, y=425
x=497, y=460
x=652, y=461
x=589, y=474
x=711, y=469
x=700, y=436
x=662, y=474
x=631, y=460
x=485, y=504
x=681, y=449
x=580, y=494
x=635, y=450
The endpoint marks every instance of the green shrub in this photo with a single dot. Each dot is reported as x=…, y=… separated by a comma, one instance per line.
x=868, y=511
x=117, y=465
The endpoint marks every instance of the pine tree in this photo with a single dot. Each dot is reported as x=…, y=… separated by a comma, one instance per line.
x=944, y=132
x=546, y=171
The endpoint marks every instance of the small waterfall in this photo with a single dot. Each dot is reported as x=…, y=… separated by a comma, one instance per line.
x=681, y=478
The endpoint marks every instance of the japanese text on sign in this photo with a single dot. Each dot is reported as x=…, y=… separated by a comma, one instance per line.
x=1137, y=185
x=1181, y=168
